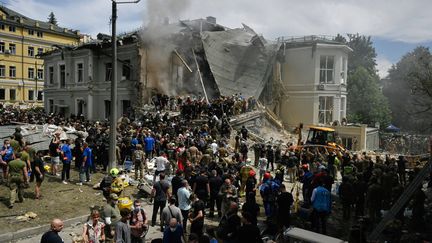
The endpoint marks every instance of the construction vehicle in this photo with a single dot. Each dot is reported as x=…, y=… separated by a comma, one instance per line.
x=320, y=137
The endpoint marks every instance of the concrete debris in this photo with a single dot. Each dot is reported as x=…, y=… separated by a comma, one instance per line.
x=26, y=217
x=239, y=60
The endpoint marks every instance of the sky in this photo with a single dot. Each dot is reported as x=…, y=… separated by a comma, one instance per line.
x=396, y=26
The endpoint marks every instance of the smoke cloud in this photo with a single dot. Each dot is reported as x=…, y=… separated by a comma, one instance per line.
x=158, y=44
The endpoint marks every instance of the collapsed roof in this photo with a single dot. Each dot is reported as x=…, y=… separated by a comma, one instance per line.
x=240, y=60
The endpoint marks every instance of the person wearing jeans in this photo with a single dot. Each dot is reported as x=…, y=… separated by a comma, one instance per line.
x=66, y=155
x=86, y=164
x=183, y=195
x=160, y=194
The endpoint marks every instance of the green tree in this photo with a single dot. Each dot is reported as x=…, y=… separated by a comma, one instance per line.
x=411, y=78
x=365, y=102
x=52, y=19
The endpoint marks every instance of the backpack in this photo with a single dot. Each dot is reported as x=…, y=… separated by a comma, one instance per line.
x=139, y=155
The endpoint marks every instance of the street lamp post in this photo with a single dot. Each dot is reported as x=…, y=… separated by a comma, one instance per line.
x=113, y=105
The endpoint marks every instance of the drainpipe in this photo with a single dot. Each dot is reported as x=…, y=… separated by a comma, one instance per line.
x=22, y=62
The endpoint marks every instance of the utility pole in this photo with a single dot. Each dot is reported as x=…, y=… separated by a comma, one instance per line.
x=113, y=105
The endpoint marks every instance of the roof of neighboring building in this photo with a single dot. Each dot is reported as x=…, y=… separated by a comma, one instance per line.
x=15, y=17
x=320, y=40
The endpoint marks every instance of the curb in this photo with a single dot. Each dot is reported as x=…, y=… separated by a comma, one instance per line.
x=24, y=233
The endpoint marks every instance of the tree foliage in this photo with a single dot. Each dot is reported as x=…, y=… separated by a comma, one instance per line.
x=409, y=90
x=52, y=19
x=366, y=103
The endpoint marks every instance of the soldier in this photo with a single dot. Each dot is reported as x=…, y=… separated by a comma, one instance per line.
x=17, y=172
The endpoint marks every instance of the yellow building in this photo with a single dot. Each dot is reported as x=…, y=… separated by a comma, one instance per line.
x=21, y=41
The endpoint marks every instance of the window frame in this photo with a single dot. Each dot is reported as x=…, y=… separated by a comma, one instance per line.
x=41, y=72
x=50, y=74
x=126, y=70
x=12, y=28
x=2, y=47
x=12, y=48
x=39, y=96
x=326, y=70
x=326, y=110
x=30, y=32
x=30, y=51
x=61, y=75
x=31, y=71
x=4, y=93
x=2, y=71
x=12, y=91
x=39, y=34
x=12, y=69
x=108, y=71
x=79, y=72
x=33, y=94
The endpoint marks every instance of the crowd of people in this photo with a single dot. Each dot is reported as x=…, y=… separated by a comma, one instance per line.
x=199, y=176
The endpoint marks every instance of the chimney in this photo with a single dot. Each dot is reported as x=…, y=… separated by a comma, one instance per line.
x=211, y=19
x=166, y=21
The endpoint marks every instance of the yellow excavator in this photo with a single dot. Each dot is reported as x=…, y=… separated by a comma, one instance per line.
x=320, y=137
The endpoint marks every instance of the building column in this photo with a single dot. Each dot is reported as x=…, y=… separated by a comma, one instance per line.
x=89, y=107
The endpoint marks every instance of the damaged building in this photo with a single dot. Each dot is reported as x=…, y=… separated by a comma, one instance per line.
x=298, y=79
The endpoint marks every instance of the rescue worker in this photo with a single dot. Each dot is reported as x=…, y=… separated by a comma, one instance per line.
x=117, y=184
x=17, y=172
x=244, y=175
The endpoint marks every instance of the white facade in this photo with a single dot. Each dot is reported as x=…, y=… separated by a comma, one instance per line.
x=314, y=78
x=78, y=81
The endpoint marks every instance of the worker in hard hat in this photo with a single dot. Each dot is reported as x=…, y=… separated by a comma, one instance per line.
x=117, y=184
x=106, y=182
x=244, y=174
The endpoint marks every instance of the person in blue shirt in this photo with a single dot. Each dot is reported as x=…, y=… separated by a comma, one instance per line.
x=87, y=163
x=321, y=203
x=7, y=154
x=7, y=151
x=66, y=157
x=149, y=144
x=134, y=142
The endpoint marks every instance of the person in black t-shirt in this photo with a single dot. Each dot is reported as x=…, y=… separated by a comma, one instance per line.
x=251, y=207
x=201, y=186
x=196, y=216
x=215, y=183
x=52, y=235
x=248, y=232
x=176, y=183
x=38, y=173
x=284, y=201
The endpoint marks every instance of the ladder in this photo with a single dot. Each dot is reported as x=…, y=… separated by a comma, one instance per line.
x=403, y=199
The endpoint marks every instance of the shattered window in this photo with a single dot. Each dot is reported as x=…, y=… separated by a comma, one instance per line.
x=325, y=112
x=326, y=69
x=108, y=71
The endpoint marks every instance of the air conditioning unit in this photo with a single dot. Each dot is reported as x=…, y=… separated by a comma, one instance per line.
x=320, y=87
